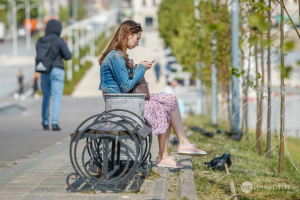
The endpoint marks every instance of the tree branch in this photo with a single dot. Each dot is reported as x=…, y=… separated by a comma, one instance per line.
x=283, y=6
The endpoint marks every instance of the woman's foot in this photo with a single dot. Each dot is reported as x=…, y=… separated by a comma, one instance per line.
x=169, y=162
x=190, y=150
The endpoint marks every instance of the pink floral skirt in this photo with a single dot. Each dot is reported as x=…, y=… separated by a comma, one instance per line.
x=158, y=110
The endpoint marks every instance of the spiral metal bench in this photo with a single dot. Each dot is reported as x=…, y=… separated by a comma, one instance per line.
x=117, y=149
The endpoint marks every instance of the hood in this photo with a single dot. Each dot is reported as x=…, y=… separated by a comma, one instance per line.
x=53, y=27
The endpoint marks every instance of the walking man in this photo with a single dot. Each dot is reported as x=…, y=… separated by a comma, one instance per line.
x=52, y=83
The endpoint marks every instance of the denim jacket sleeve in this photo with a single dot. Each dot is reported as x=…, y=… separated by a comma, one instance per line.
x=122, y=77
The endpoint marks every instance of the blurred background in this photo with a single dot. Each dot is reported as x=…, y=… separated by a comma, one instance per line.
x=178, y=34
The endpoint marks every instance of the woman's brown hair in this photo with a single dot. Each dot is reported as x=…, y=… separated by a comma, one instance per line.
x=120, y=39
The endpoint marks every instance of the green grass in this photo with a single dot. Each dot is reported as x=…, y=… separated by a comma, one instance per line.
x=154, y=175
x=264, y=177
x=89, y=191
x=70, y=85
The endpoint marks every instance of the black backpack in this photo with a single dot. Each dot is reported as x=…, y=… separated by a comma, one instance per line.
x=44, y=62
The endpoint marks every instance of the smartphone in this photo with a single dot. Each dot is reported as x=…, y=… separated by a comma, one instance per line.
x=152, y=61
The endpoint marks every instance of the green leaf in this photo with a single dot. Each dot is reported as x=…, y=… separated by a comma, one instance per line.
x=258, y=75
x=287, y=71
x=268, y=8
x=289, y=45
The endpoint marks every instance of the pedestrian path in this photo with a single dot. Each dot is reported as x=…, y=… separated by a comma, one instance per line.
x=88, y=86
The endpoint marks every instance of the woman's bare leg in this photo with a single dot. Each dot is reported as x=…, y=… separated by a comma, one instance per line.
x=176, y=123
x=163, y=141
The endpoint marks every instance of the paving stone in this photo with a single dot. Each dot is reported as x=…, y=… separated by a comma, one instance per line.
x=161, y=171
x=31, y=197
x=70, y=197
x=158, y=187
x=40, y=189
x=3, y=184
x=39, y=197
x=54, y=189
x=111, y=197
x=96, y=198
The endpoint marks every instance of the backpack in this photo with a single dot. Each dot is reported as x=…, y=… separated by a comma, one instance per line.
x=44, y=62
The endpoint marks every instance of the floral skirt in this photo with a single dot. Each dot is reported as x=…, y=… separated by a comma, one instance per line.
x=158, y=110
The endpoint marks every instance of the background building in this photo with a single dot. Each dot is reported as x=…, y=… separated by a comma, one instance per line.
x=145, y=12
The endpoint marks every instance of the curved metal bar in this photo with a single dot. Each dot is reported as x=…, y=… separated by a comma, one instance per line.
x=77, y=167
x=145, y=153
x=72, y=139
x=128, y=131
x=112, y=116
x=130, y=123
x=114, y=180
x=151, y=166
x=139, y=183
x=95, y=155
x=68, y=183
x=86, y=121
x=148, y=152
x=93, y=146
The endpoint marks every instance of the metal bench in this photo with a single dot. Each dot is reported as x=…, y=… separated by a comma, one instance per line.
x=117, y=147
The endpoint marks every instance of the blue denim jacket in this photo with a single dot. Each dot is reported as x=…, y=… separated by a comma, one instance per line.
x=115, y=76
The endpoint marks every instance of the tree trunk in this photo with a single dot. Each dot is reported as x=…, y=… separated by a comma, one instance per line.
x=269, y=88
x=257, y=96
x=228, y=104
x=243, y=87
x=261, y=100
x=246, y=95
x=282, y=91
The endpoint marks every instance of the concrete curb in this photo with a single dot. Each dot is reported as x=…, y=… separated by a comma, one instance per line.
x=186, y=177
x=9, y=108
x=186, y=180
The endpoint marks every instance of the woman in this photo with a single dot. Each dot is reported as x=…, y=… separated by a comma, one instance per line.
x=161, y=110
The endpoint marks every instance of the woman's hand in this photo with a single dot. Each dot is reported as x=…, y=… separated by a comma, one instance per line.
x=146, y=64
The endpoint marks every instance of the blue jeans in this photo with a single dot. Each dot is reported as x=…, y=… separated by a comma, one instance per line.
x=52, y=84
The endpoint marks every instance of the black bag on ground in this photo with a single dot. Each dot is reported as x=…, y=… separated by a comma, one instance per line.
x=44, y=61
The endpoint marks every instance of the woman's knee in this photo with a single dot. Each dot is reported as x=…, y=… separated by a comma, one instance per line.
x=173, y=98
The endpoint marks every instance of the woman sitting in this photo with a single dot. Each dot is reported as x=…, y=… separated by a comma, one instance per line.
x=161, y=110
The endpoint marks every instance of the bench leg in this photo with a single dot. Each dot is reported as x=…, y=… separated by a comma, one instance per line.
x=118, y=152
x=105, y=159
x=113, y=148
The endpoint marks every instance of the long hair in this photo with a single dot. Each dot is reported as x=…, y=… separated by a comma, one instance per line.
x=120, y=39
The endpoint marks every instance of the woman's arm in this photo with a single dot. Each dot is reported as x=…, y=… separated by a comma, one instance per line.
x=120, y=72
